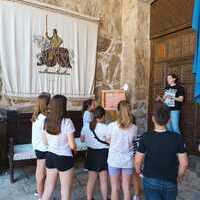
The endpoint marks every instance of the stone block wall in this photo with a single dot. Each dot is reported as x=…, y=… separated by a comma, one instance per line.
x=136, y=56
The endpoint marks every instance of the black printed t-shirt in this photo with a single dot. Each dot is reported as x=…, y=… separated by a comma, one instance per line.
x=161, y=149
x=174, y=91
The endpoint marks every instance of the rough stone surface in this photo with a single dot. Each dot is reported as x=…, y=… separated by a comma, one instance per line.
x=136, y=56
x=24, y=188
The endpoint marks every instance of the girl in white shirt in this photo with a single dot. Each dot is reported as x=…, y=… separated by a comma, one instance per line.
x=87, y=110
x=121, y=135
x=38, y=119
x=60, y=139
x=96, y=162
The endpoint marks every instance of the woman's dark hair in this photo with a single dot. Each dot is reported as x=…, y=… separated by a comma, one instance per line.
x=98, y=114
x=57, y=111
x=174, y=76
x=86, y=105
x=161, y=113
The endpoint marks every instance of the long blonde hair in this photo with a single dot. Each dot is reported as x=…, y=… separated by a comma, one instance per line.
x=41, y=106
x=125, y=118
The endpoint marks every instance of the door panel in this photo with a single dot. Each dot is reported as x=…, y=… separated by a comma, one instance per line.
x=173, y=54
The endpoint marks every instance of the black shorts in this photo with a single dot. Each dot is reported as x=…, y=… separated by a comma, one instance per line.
x=61, y=163
x=41, y=155
x=96, y=160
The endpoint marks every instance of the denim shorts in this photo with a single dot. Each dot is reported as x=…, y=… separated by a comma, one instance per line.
x=114, y=171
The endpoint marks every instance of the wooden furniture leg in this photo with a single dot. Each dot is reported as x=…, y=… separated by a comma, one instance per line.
x=11, y=162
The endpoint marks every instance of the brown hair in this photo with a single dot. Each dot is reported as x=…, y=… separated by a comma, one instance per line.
x=174, y=76
x=98, y=114
x=57, y=112
x=41, y=106
x=161, y=113
x=86, y=105
x=125, y=118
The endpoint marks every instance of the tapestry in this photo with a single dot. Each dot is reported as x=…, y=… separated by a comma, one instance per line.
x=43, y=50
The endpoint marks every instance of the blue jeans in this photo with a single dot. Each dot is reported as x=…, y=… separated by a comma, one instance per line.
x=173, y=124
x=155, y=189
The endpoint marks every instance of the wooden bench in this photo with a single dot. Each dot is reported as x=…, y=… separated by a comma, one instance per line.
x=24, y=152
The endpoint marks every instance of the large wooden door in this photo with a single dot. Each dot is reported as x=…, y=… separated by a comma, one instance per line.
x=172, y=50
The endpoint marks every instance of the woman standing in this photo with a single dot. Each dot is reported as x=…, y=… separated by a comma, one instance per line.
x=88, y=112
x=121, y=135
x=38, y=119
x=173, y=97
x=61, y=142
x=97, y=154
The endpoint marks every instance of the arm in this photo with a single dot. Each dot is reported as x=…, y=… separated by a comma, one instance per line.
x=108, y=140
x=82, y=138
x=180, y=95
x=163, y=98
x=179, y=99
x=108, y=134
x=183, y=165
x=71, y=141
x=44, y=138
x=47, y=36
x=139, y=159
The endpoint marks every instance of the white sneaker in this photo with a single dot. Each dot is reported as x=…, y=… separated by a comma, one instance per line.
x=36, y=194
x=136, y=197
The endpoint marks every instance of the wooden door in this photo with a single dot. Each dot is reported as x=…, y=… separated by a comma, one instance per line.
x=172, y=50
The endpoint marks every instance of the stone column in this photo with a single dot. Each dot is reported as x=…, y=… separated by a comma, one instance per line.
x=136, y=56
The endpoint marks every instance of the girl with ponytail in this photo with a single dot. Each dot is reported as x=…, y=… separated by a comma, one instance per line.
x=121, y=135
x=96, y=162
x=87, y=111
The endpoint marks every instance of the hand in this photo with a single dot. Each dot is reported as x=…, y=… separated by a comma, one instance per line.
x=180, y=179
x=169, y=97
x=74, y=152
x=158, y=98
x=138, y=171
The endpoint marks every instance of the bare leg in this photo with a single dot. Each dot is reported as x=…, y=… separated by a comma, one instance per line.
x=66, y=180
x=137, y=184
x=126, y=181
x=40, y=176
x=51, y=179
x=104, y=184
x=92, y=177
x=115, y=187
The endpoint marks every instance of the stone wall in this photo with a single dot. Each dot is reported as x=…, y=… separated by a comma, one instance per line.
x=136, y=56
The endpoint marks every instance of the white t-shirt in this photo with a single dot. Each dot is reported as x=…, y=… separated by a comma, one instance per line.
x=121, y=145
x=58, y=144
x=87, y=118
x=37, y=133
x=91, y=141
